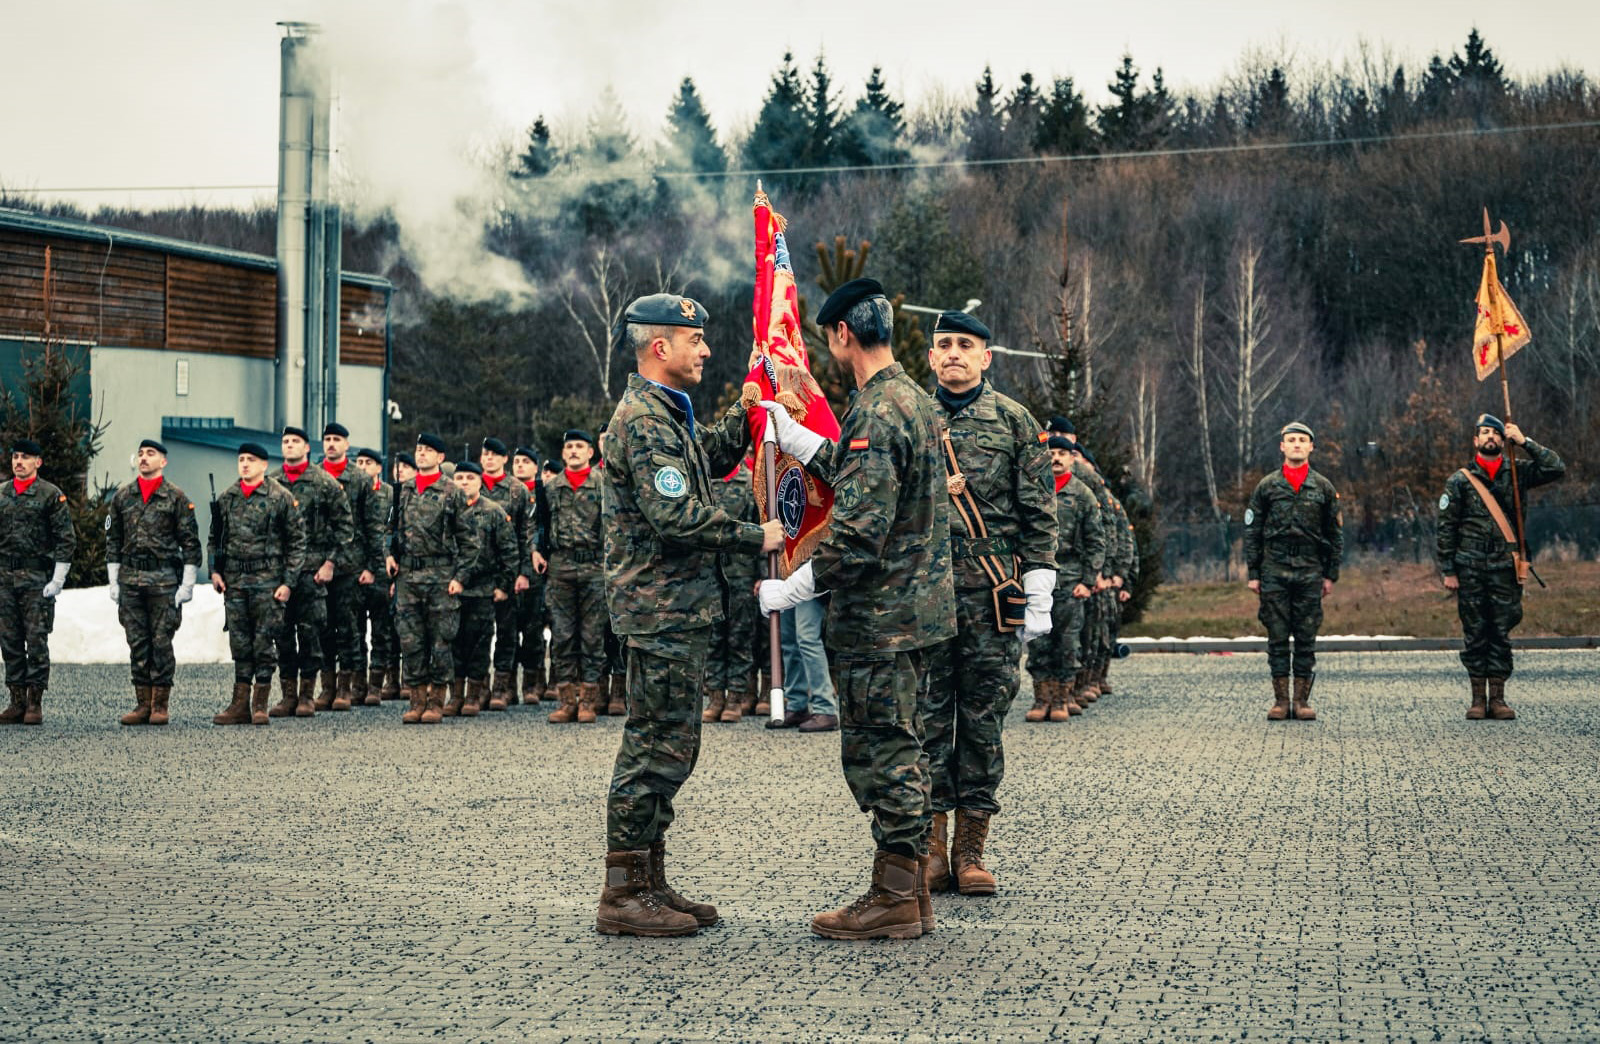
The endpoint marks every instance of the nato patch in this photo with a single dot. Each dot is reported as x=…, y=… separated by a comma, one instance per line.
x=1444, y=501
x=792, y=500
x=1249, y=516
x=670, y=482
x=108, y=522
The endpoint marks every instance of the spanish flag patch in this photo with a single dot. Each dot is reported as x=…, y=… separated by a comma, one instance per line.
x=1044, y=436
x=858, y=444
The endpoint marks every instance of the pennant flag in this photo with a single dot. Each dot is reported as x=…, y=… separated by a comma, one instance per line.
x=782, y=373
x=1500, y=330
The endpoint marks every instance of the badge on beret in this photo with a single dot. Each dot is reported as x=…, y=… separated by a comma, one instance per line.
x=1249, y=516
x=686, y=306
x=1444, y=501
x=670, y=482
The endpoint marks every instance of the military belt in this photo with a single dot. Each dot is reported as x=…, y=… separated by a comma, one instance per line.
x=1491, y=546
x=577, y=555
x=424, y=561
x=969, y=547
x=26, y=562
x=1293, y=547
x=148, y=562
x=254, y=565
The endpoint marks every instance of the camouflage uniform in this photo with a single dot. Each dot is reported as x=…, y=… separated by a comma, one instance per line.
x=432, y=544
x=494, y=567
x=1090, y=639
x=575, y=583
x=732, y=658
x=1126, y=565
x=514, y=499
x=330, y=532
x=665, y=589
x=375, y=611
x=973, y=677
x=1471, y=548
x=343, y=643
x=152, y=541
x=1080, y=558
x=1291, y=542
x=35, y=534
x=887, y=562
x=532, y=613
x=262, y=547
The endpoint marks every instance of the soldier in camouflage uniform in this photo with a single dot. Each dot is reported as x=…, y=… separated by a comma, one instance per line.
x=513, y=497
x=1082, y=690
x=152, y=559
x=887, y=562
x=1053, y=660
x=1477, y=560
x=730, y=666
x=1124, y=571
x=343, y=644
x=374, y=612
x=330, y=532
x=575, y=585
x=972, y=678
x=36, y=542
x=431, y=553
x=1293, y=543
x=258, y=551
x=664, y=535
x=531, y=614
x=487, y=587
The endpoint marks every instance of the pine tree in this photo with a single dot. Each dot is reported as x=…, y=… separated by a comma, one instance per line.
x=607, y=140
x=985, y=128
x=540, y=157
x=1120, y=120
x=691, y=140
x=783, y=129
x=872, y=133
x=1479, y=78
x=822, y=113
x=1022, y=116
x=1270, y=112
x=1063, y=128
x=1438, y=88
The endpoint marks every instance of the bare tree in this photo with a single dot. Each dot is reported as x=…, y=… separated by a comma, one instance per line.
x=1194, y=360
x=1260, y=364
x=595, y=307
x=1144, y=420
x=1569, y=353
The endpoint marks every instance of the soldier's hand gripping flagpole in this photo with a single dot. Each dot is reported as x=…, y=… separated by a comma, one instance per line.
x=769, y=451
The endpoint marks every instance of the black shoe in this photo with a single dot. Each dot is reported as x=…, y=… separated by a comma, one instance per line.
x=820, y=723
x=791, y=719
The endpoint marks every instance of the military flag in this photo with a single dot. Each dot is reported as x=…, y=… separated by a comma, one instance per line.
x=1500, y=329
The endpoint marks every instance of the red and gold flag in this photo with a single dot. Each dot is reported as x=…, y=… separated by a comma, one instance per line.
x=1500, y=330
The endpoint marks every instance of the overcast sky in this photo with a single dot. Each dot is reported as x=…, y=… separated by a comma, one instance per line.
x=184, y=92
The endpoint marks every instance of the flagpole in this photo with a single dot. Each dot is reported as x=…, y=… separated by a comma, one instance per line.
x=1516, y=488
x=769, y=454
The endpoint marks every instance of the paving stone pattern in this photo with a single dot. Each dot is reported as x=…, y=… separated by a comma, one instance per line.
x=1172, y=867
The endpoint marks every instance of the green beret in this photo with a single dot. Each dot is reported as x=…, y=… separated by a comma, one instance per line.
x=1296, y=426
x=666, y=310
x=960, y=322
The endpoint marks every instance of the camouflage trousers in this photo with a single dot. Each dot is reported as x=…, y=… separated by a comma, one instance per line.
x=304, y=620
x=575, y=595
x=1291, y=608
x=531, y=621
x=26, y=619
x=377, y=616
x=660, y=739
x=426, y=618
x=881, y=702
x=732, y=657
x=150, y=619
x=507, y=630
x=255, y=622
x=1089, y=638
x=474, y=633
x=972, y=679
x=1054, y=656
x=1490, y=605
x=342, y=645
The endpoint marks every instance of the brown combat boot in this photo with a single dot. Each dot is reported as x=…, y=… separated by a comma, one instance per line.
x=1499, y=710
x=288, y=690
x=763, y=706
x=704, y=914
x=567, y=699
x=258, y=703
x=433, y=704
x=1480, y=699
x=322, y=699
x=358, y=688
x=716, y=700
x=158, y=704
x=1069, y=698
x=532, y=691
x=306, y=706
x=34, y=715
x=924, y=896
x=617, y=702
x=344, y=696
x=391, y=684
x=966, y=853
x=372, y=694
x=502, y=694
x=238, y=711
x=1103, y=679
x=1280, y=699
x=630, y=905
x=588, y=699
x=473, y=704
x=747, y=703
x=418, y=697
x=1042, y=691
x=733, y=707
x=140, y=715
x=1089, y=691
x=938, y=868
x=18, y=707
x=458, y=699
x=1302, y=700
x=887, y=910
x=1061, y=705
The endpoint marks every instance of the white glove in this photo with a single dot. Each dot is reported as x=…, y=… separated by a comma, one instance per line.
x=1040, y=585
x=58, y=580
x=112, y=569
x=185, y=586
x=794, y=438
x=778, y=595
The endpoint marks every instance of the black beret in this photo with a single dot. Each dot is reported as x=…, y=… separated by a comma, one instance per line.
x=523, y=451
x=577, y=434
x=370, y=453
x=153, y=444
x=1489, y=420
x=845, y=297
x=292, y=430
x=254, y=449
x=431, y=441
x=550, y=465
x=27, y=447
x=335, y=428
x=666, y=310
x=960, y=322
x=1297, y=427
x=1061, y=424
x=469, y=467
x=1083, y=451
x=494, y=445
x=407, y=459
x=1059, y=442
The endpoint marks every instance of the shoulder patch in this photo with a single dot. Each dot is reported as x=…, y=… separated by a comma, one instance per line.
x=859, y=444
x=191, y=505
x=1444, y=501
x=62, y=497
x=108, y=523
x=1044, y=436
x=1249, y=516
x=670, y=482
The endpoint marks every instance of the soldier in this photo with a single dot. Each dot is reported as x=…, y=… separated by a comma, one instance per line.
x=1082, y=690
x=575, y=590
x=258, y=552
x=887, y=562
x=431, y=553
x=531, y=614
x=1053, y=659
x=1476, y=552
x=405, y=469
x=152, y=559
x=342, y=645
x=1293, y=542
x=375, y=614
x=514, y=498
x=36, y=543
x=484, y=589
x=730, y=665
x=1000, y=487
x=664, y=535
x=325, y=514
x=1125, y=573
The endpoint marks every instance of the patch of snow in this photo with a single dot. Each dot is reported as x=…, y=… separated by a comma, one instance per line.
x=87, y=629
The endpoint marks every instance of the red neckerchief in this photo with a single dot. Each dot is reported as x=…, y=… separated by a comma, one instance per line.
x=1297, y=476
x=247, y=489
x=424, y=481
x=20, y=486
x=336, y=469
x=295, y=472
x=491, y=481
x=1062, y=480
x=148, y=486
x=576, y=479
x=530, y=483
x=1491, y=464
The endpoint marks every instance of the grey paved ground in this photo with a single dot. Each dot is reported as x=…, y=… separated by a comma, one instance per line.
x=1171, y=866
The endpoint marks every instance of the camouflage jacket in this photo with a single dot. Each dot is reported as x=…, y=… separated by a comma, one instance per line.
x=663, y=526
x=1126, y=562
x=496, y=563
x=377, y=511
x=35, y=531
x=1007, y=471
x=517, y=502
x=887, y=555
x=1081, y=538
x=325, y=514
x=737, y=497
x=1468, y=535
x=429, y=538
x=151, y=541
x=1296, y=531
x=367, y=543
x=262, y=540
x=574, y=514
